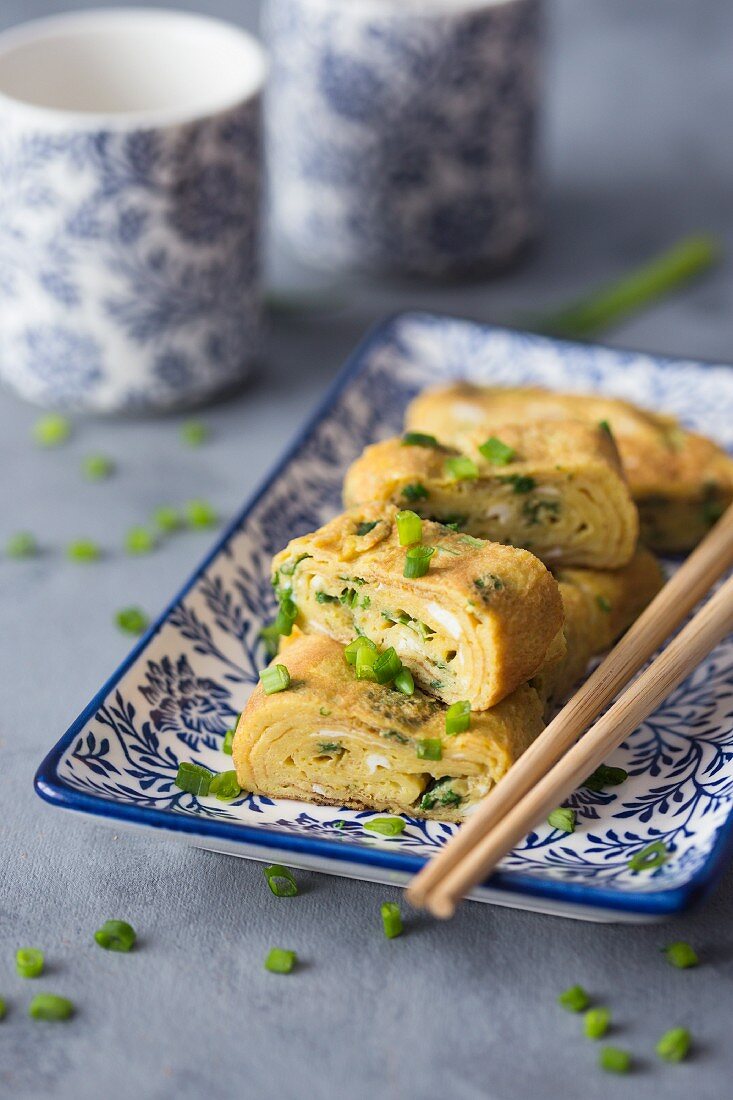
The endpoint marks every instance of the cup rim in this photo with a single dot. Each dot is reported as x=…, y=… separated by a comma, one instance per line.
x=43, y=115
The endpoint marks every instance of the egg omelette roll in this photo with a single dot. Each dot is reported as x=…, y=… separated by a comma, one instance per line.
x=333, y=739
x=556, y=489
x=482, y=620
x=681, y=481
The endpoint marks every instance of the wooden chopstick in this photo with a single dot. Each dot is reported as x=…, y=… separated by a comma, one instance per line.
x=684, y=653
x=712, y=558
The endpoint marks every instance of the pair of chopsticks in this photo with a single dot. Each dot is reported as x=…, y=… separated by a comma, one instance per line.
x=560, y=759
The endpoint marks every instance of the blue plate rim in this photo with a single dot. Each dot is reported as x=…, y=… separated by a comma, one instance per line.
x=53, y=789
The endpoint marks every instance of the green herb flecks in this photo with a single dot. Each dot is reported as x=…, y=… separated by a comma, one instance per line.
x=280, y=961
x=116, y=935
x=563, y=819
x=49, y=1006
x=395, y=735
x=614, y=1060
x=167, y=519
x=537, y=511
x=604, y=777
x=429, y=748
x=460, y=468
x=97, y=467
x=440, y=793
x=29, y=962
x=496, y=452
x=228, y=742
x=458, y=717
x=83, y=550
x=674, y=1045
x=139, y=540
x=51, y=430
x=419, y=439
x=193, y=778
x=274, y=679
x=386, y=826
x=365, y=527
x=681, y=954
x=21, y=545
x=649, y=858
x=225, y=786
x=281, y=881
x=574, y=999
x=417, y=561
x=391, y=919
x=415, y=491
x=521, y=483
x=603, y=603
x=200, y=514
x=596, y=1023
x=132, y=620
x=193, y=433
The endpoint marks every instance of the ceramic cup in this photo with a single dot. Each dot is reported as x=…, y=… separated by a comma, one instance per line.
x=130, y=172
x=401, y=133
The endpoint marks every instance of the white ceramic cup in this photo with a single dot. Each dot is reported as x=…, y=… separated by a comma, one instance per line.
x=130, y=178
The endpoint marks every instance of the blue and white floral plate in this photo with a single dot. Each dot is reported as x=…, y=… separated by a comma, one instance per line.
x=182, y=686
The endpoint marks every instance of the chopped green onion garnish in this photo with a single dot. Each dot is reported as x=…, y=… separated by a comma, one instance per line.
x=391, y=919
x=387, y=666
x=674, y=1045
x=21, y=545
x=225, y=786
x=275, y=678
x=596, y=1023
x=409, y=527
x=226, y=745
x=496, y=452
x=97, y=467
x=286, y=616
x=429, y=748
x=460, y=468
x=404, y=682
x=167, y=518
x=417, y=561
x=281, y=881
x=51, y=430
x=270, y=636
x=654, y=855
x=387, y=826
x=116, y=935
x=83, y=550
x=29, y=962
x=324, y=712
x=574, y=999
x=562, y=818
x=604, y=776
x=605, y=427
x=132, y=620
x=419, y=439
x=415, y=491
x=614, y=1060
x=521, y=483
x=366, y=658
x=280, y=961
x=603, y=603
x=681, y=954
x=199, y=513
x=139, y=540
x=3, y=1009
x=365, y=527
x=458, y=717
x=47, y=1006
x=193, y=778
x=354, y=646
x=194, y=433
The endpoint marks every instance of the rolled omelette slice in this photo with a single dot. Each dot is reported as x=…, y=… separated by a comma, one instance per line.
x=333, y=739
x=599, y=607
x=482, y=620
x=681, y=481
x=556, y=489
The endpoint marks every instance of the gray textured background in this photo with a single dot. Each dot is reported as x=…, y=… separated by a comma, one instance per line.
x=638, y=151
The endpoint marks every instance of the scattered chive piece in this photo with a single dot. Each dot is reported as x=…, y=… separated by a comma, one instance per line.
x=563, y=819
x=139, y=540
x=83, y=550
x=194, y=433
x=681, y=954
x=409, y=527
x=603, y=603
x=404, y=682
x=3, y=1009
x=574, y=999
x=270, y=636
x=458, y=717
x=48, y=1006
x=193, y=778
x=460, y=468
x=29, y=962
x=352, y=649
x=674, y=1045
x=604, y=776
x=338, y=824
x=654, y=855
x=275, y=678
x=21, y=545
x=521, y=483
x=429, y=748
x=324, y=711
x=200, y=513
x=132, y=620
x=167, y=518
x=605, y=427
x=496, y=452
x=365, y=527
x=225, y=786
x=417, y=561
x=391, y=919
x=387, y=826
x=116, y=935
x=366, y=659
x=596, y=1023
x=97, y=467
x=280, y=961
x=419, y=439
x=51, y=430
x=415, y=491
x=281, y=881
x=286, y=615
x=387, y=666
x=227, y=742
x=614, y=1060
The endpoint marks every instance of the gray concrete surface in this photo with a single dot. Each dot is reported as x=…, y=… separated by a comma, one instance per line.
x=638, y=151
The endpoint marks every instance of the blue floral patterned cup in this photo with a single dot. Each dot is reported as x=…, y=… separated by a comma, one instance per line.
x=401, y=133
x=130, y=170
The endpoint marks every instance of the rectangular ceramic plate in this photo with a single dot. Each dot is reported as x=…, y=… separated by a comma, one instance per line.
x=182, y=686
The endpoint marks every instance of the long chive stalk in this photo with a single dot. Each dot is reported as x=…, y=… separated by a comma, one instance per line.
x=592, y=315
